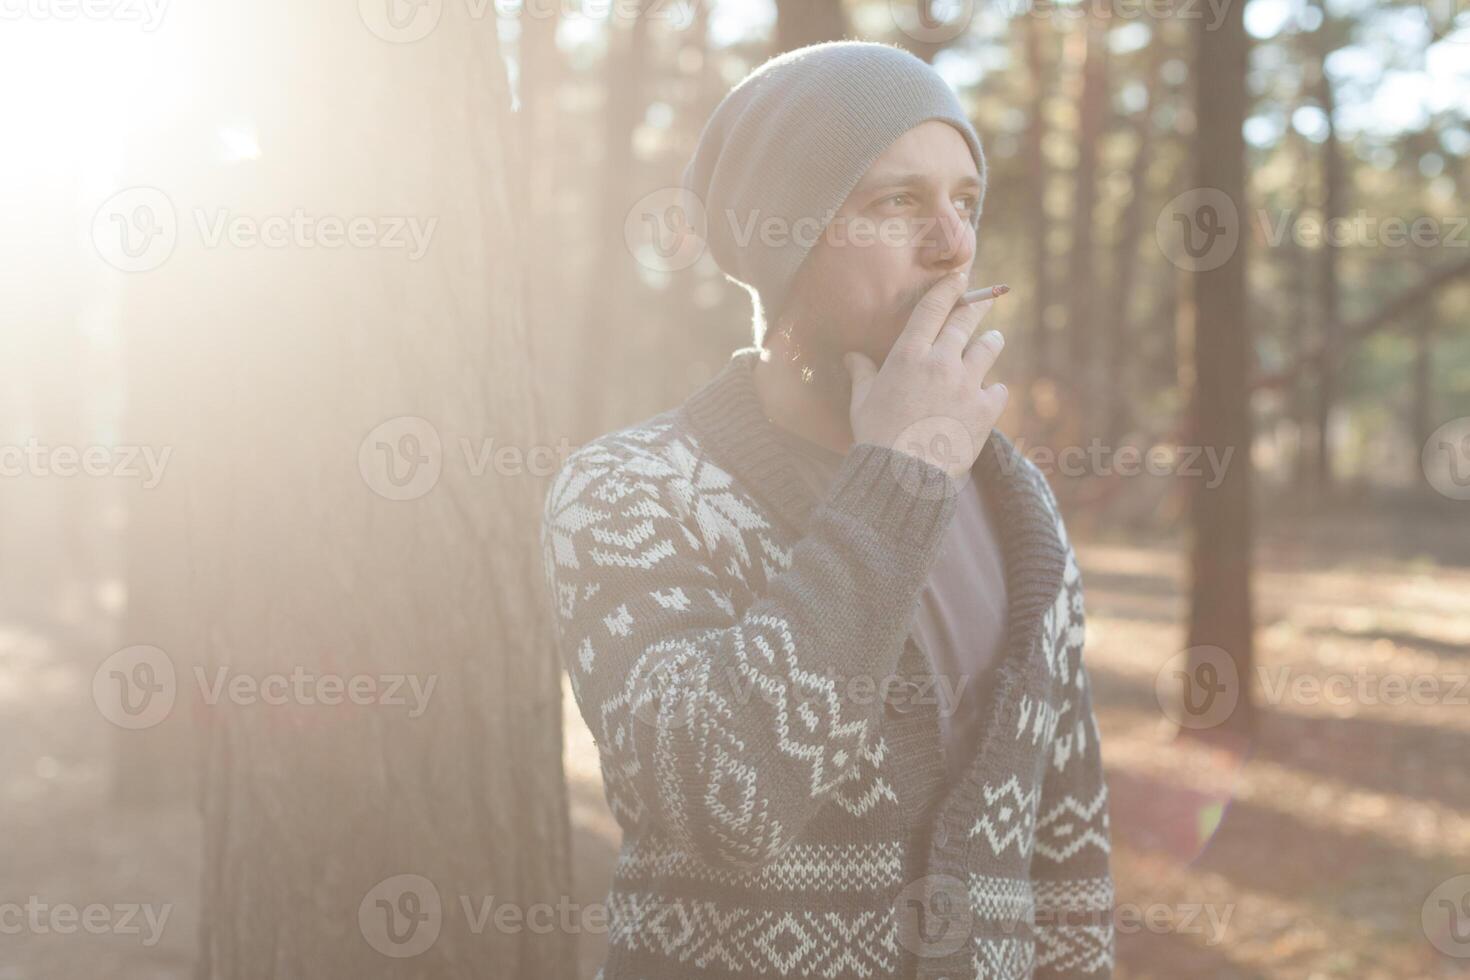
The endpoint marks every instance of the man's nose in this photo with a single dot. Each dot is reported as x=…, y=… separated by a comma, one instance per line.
x=951, y=243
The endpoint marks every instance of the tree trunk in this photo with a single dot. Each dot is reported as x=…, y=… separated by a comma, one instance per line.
x=604, y=298
x=1220, y=614
x=1421, y=407
x=1092, y=111
x=803, y=22
x=538, y=196
x=1121, y=355
x=1039, y=366
x=378, y=696
x=1334, y=187
x=156, y=764
x=1299, y=404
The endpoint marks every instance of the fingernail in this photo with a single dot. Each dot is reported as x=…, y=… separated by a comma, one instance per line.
x=994, y=338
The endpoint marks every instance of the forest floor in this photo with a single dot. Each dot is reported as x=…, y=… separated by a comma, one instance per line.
x=1312, y=853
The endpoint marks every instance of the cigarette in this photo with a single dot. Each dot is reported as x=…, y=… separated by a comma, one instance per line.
x=986, y=292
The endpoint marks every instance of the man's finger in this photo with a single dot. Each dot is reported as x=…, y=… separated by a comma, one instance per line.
x=933, y=309
x=959, y=330
x=983, y=352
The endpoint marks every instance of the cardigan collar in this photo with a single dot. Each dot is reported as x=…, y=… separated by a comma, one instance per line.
x=728, y=418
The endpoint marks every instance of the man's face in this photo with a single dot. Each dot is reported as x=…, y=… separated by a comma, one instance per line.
x=902, y=229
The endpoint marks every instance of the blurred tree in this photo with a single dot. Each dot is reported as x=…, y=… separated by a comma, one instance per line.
x=1116, y=383
x=1421, y=386
x=156, y=765
x=1038, y=368
x=1330, y=35
x=364, y=551
x=1220, y=607
x=541, y=176
x=626, y=68
x=803, y=22
x=1093, y=113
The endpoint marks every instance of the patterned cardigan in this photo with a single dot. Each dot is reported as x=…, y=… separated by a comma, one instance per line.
x=742, y=655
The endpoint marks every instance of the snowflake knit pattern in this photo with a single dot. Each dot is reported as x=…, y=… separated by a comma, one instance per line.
x=766, y=726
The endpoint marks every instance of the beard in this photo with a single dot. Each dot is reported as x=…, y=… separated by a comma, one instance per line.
x=817, y=331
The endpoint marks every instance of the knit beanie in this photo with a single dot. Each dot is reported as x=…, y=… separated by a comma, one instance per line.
x=792, y=139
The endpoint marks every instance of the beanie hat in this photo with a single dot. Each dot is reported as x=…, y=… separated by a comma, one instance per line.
x=793, y=139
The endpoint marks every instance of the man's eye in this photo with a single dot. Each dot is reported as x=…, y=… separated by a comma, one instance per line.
x=894, y=197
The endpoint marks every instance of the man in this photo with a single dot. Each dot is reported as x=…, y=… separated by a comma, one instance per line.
x=823, y=623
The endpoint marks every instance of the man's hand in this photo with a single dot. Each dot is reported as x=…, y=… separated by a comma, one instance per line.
x=928, y=400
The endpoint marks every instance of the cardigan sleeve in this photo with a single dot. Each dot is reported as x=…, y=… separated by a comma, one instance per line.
x=729, y=728
x=1071, y=879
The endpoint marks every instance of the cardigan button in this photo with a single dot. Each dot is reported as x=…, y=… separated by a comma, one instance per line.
x=941, y=835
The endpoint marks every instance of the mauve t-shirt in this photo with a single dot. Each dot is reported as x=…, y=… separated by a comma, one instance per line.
x=961, y=619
